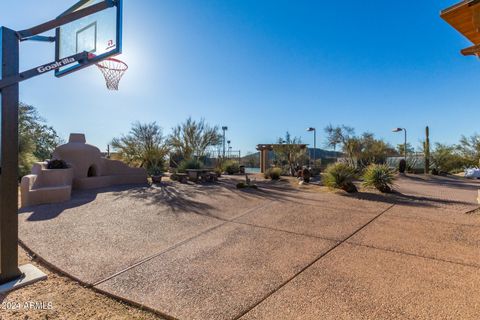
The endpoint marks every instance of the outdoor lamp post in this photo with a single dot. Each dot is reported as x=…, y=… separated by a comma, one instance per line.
x=405, y=143
x=229, y=148
x=310, y=129
x=224, y=128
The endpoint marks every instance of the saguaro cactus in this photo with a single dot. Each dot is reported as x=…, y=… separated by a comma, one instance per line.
x=427, y=150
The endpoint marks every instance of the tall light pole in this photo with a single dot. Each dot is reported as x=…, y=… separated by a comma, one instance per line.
x=229, y=148
x=405, y=144
x=224, y=128
x=310, y=129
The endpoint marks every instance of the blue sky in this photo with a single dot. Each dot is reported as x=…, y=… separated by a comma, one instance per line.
x=265, y=67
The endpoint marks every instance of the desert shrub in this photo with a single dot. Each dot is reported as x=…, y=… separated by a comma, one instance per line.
x=57, y=164
x=218, y=171
x=155, y=170
x=231, y=167
x=273, y=173
x=25, y=163
x=446, y=159
x=189, y=164
x=155, y=165
x=379, y=176
x=339, y=176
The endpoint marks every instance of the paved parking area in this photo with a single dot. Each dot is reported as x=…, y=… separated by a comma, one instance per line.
x=214, y=252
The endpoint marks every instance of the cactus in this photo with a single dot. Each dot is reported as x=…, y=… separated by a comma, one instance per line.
x=427, y=150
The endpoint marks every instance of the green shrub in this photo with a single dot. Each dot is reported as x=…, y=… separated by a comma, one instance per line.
x=218, y=172
x=26, y=161
x=339, y=176
x=57, y=164
x=155, y=165
x=189, y=164
x=155, y=171
x=379, y=176
x=231, y=167
x=273, y=173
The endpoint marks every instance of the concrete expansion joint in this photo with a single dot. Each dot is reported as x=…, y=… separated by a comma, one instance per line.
x=153, y=256
x=311, y=263
x=414, y=255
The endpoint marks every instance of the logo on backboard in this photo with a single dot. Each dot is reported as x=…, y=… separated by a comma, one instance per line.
x=110, y=45
x=55, y=65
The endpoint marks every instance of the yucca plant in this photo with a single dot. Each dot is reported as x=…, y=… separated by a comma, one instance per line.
x=339, y=176
x=379, y=176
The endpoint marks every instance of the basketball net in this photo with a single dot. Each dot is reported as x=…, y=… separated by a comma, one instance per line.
x=113, y=71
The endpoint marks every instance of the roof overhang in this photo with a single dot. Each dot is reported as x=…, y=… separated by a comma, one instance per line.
x=465, y=18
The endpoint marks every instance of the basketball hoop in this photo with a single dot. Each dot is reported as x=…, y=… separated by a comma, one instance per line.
x=113, y=71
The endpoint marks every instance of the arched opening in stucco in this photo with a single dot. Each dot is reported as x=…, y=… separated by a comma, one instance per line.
x=92, y=172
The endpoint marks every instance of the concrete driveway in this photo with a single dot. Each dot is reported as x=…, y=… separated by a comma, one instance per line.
x=280, y=252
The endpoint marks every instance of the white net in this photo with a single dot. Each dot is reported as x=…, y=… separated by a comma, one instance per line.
x=113, y=71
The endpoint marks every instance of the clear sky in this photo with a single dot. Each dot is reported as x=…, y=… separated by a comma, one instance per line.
x=265, y=67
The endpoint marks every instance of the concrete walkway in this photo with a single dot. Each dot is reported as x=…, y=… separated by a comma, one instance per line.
x=214, y=252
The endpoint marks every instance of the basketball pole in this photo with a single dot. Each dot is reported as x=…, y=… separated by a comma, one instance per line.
x=9, y=159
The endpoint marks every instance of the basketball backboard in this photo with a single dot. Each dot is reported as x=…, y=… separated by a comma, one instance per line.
x=99, y=34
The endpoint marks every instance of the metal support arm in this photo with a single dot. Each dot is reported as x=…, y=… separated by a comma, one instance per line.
x=79, y=57
x=52, y=24
x=40, y=39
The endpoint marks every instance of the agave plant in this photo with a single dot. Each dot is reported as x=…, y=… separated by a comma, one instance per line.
x=379, y=176
x=340, y=176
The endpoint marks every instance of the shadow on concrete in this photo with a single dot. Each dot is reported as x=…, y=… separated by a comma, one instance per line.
x=403, y=199
x=449, y=181
x=192, y=197
x=177, y=199
x=79, y=198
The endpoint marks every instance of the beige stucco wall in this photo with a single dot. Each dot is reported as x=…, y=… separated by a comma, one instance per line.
x=52, y=186
x=46, y=186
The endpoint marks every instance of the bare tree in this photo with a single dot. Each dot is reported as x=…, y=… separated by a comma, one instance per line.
x=342, y=136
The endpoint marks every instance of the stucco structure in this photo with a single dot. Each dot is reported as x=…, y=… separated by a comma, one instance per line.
x=87, y=170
